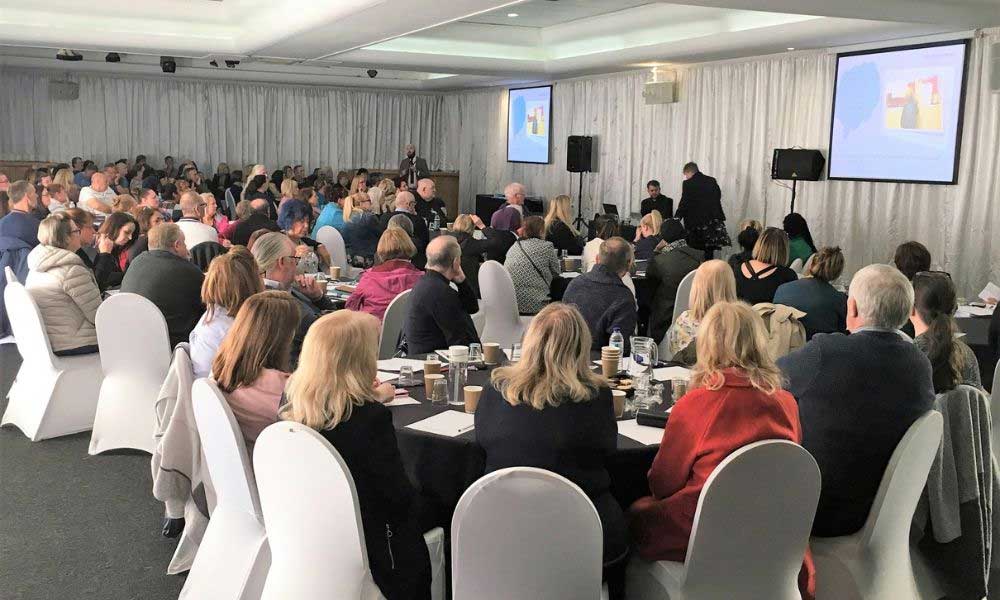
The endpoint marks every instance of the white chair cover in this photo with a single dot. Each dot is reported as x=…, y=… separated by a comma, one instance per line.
x=51, y=396
x=683, y=299
x=747, y=541
x=995, y=411
x=502, y=324
x=233, y=557
x=808, y=263
x=135, y=356
x=334, y=242
x=796, y=266
x=874, y=563
x=525, y=533
x=11, y=276
x=392, y=324
x=310, y=508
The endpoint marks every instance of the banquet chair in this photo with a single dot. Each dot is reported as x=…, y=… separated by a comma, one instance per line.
x=682, y=300
x=135, y=357
x=875, y=563
x=501, y=322
x=334, y=242
x=392, y=325
x=233, y=557
x=796, y=266
x=10, y=275
x=748, y=541
x=807, y=265
x=995, y=410
x=524, y=532
x=51, y=395
x=313, y=520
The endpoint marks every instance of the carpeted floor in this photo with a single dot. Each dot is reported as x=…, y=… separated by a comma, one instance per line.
x=74, y=526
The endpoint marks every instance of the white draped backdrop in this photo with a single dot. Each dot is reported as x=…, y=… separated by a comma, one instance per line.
x=729, y=118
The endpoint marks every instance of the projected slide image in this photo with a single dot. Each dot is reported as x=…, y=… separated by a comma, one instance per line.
x=529, y=119
x=914, y=103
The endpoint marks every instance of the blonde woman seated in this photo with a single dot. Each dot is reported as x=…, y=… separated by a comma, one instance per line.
x=559, y=226
x=736, y=399
x=289, y=191
x=549, y=410
x=252, y=365
x=63, y=287
x=647, y=236
x=332, y=392
x=713, y=283
x=231, y=279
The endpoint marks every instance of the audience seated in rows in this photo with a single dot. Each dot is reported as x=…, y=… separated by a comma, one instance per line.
x=362, y=229
x=665, y=271
x=439, y=316
x=736, y=399
x=63, y=287
x=533, y=264
x=758, y=278
x=749, y=232
x=331, y=391
x=602, y=297
x=952, y=361
x=428, y=204
x=800, y=241
x=406, y=205
x=253, y=360
x=231, y=279
x=193, y=208
x=858, y=394
x=277, y=261
x=814, y=294
x=551, y=411
x=258, y=219
x=713, y=284
x=393, y=275
x=647, y=235
x=559, y=226
x=293, y=219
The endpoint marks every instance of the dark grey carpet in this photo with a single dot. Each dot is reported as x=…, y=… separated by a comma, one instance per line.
x=77, y=526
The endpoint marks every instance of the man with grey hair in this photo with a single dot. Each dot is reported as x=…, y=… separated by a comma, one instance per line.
x=406, y=204
x=439, y=316
x=509, y=216
x=413, y=168
x=428, y=204
x=604, y=300
x=18, y=235
x=857, y=395
x=166, y=277
x=193, y=208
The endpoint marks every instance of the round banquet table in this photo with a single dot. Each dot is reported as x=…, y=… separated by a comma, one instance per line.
x=442, y=468
x=976, y=330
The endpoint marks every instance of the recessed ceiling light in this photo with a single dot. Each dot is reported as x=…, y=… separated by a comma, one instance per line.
x=512, y=15
x=789, y=49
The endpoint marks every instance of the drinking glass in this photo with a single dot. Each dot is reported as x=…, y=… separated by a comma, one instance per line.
x=515, y=352
x=642, y=382
x=439, y=393
x=406, y=376
x=475, y=353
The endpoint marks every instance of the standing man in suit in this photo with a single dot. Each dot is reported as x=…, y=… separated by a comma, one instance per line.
x=657, y=201
x=413, y=168
x=701, y=204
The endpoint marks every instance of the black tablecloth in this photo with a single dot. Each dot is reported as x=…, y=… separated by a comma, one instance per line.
x=976, y=331
x=442, y=468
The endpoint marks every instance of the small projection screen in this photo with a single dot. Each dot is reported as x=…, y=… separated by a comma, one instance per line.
x=529, y=125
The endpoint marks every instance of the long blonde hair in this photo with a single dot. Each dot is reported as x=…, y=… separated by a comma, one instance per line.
x=334, y=376
x=352, y=204
x=714, y=282
x=260, y=338
x=64, y=177
x=559, y=209
x=356, y=183
x=732, y=336
x=555, y=361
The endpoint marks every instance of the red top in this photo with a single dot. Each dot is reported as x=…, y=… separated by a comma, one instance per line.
x=379, y=285
x=705, y=427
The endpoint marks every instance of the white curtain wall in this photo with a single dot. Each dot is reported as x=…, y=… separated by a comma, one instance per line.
x=729, y=118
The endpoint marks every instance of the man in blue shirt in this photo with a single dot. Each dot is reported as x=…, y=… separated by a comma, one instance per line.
x=20, y=223
x=82, y=179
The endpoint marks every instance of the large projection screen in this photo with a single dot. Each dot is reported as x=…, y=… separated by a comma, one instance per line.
x=529, y=125
x=897, y=114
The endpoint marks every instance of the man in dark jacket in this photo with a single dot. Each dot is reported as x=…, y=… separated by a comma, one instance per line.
x=166, y=277
x=439, y=316
x=428, y=204
x=656, y=201
x=258, y=220
x=406, y=204
x=858, y=394
x=665, y=273
x=604, y=301
x=701, y=203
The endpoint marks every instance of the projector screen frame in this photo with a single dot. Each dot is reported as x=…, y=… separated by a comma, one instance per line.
x=548, y=146
x=965, y=42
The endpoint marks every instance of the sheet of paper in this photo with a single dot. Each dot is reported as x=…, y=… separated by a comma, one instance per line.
x=450, y=423
x=393, y=364
x=570, y=275
x=402, y=401
x=643, y=434
x=974, y=311
x=990, y=291
x=668, y=373
x=387, y=377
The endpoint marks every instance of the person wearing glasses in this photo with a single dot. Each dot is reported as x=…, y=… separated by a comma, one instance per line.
x=934, y=303
x=277, y=261
x=193, y=208
x=63, y=287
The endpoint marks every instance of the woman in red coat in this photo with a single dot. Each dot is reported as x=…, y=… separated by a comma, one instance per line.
x=735, y=399
x=395, y=274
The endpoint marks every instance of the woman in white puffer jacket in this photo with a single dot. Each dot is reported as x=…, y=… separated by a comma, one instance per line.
x=63, y=287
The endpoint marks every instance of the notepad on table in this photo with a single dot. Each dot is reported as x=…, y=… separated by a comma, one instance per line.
x=386, y=377
x=643, y=434
x=450, y=423
x=393, y=364
x=668, y=373
x=990, y=291
x=402, y=401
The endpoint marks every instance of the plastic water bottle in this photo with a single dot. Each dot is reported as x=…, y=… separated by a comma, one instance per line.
x=458, y=373
x=436, y=225
x=617, y=340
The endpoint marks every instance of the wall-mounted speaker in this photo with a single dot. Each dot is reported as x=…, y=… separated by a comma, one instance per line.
x=579, y=150
x=794, y=163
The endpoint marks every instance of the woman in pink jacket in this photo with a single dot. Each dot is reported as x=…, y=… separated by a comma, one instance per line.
x=393, y=275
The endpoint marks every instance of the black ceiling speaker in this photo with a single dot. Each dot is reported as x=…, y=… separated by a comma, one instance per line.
x=168, y=64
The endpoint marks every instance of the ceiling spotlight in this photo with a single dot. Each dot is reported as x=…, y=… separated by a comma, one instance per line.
x=789, y=49
x=70, y=55
x=231, y=64
x=512, y=15
x=113, y=57
x=168, y=64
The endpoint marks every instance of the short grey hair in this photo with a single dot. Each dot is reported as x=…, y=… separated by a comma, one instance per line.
x=269, y=249
x=164, y=236
x=615, y=254
x=401, y=222
x=884, y=296
x=511, y=189
x=442, y=252
x=55, y=231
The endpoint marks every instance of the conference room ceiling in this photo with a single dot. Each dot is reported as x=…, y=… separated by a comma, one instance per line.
x=432, y=45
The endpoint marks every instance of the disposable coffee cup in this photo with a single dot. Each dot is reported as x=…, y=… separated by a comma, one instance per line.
x=432, y=367
x=429, y=380
x=609, y=367
x=335, y=272
x=492, y=353
x=618, y=397
x=472, y=393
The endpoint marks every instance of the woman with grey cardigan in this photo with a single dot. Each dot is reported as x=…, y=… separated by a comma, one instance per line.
x=533, y=264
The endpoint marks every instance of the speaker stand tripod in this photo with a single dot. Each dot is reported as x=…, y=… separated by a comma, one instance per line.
x=580, y=222
x=794, y=181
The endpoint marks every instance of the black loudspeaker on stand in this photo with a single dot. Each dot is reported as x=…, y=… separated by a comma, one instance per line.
x=797, y=164
x=578, y=160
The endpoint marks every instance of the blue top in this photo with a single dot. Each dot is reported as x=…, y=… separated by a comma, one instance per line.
x=81, y=179
x=825, y=307
x=331, y=215
x=21, y=226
